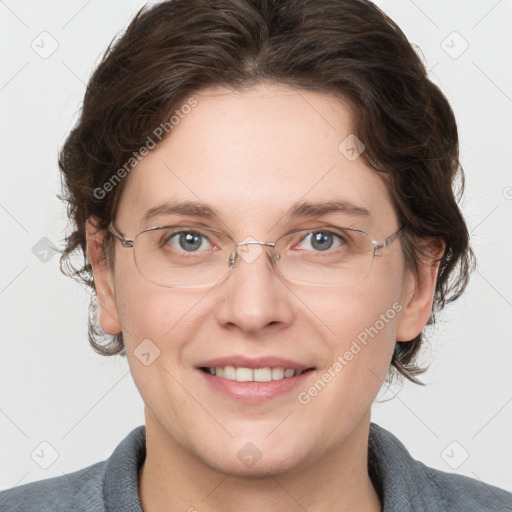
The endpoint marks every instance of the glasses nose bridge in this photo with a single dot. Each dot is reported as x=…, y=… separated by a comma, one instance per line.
x=235, y=253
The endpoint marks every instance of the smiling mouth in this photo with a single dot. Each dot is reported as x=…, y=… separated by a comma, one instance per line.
x=241, y=374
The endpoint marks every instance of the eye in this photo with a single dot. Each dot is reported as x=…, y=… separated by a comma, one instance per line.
x=322, y=240
x=188, y=241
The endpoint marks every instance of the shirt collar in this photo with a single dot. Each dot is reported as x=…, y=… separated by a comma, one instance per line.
x=400, y=480
x=120, y=485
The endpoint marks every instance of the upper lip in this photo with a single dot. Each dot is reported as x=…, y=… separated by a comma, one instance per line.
x=254, y=362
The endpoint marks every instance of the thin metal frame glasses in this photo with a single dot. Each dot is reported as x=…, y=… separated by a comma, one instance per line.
x=164, y=264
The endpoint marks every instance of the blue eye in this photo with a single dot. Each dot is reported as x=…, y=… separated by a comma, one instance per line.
x=323, y=240
x=189, y=241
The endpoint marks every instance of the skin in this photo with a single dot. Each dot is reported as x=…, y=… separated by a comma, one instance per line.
x=251, y=154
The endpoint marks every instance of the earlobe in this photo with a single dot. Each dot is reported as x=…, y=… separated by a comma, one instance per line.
x=418, y=296
x=108, y=316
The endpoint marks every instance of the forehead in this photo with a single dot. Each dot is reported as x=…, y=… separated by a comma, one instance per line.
x=253, y=154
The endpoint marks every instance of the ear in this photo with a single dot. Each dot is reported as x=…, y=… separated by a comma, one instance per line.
x=108, y=316
x=419, y=292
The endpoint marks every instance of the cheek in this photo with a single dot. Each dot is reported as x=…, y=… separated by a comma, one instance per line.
x=150, y=312
x=366, y=310
x=364, y=335
x=157, y=313
x=358, y=358
x=158, y=324
x=362, y=320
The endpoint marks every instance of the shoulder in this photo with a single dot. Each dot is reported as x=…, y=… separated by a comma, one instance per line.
x=408, y=484
x=463, y=493
x=108, y=485
x=80, y=490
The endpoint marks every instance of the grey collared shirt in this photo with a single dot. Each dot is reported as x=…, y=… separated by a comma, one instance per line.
x=404, y=484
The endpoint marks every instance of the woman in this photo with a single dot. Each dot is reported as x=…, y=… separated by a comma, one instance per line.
x=263, y=190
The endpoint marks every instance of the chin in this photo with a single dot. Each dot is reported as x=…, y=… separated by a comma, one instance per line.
x=260, y=469
x=246, y=459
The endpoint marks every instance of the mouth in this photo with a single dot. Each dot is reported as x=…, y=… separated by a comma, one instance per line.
x=253, y=380
x=244, y=374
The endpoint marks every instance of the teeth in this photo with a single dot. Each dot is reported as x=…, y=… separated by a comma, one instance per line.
x=244, y=375
x=253, y=375
x=229, y=372
x=262, y=374
x=278, y=373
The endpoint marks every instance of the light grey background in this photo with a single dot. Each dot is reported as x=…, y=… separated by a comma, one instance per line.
x=55, y=389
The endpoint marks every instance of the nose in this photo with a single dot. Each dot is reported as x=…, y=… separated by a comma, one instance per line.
x=254, y=296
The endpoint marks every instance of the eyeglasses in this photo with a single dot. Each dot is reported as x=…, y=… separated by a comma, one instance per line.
x=187, y=256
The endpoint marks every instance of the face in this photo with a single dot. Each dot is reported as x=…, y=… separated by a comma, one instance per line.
x=251, y=156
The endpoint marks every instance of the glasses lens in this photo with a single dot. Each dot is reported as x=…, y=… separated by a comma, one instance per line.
x=325, y=257
x=191, y=257
x=182, y=256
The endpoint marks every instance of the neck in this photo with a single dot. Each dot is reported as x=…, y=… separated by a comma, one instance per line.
x=338, y=481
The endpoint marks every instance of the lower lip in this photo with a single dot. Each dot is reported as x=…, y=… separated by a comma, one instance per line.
x=254, y=392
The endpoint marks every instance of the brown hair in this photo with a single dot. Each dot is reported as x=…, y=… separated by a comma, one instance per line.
x=348, y=48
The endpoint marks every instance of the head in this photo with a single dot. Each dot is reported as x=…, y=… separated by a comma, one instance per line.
x=250, y=108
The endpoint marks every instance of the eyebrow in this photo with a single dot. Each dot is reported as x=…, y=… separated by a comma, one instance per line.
x=299, y=210
x=317, y=209
x=185, y=208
